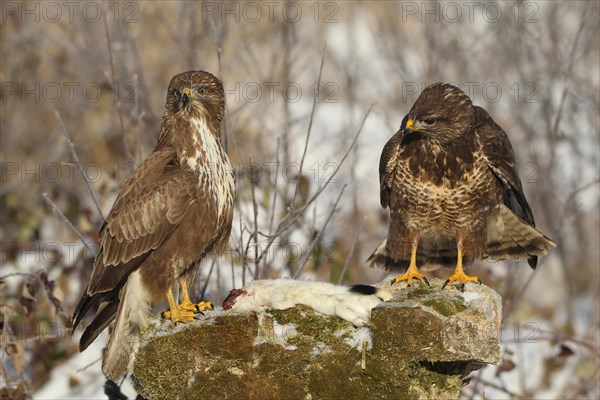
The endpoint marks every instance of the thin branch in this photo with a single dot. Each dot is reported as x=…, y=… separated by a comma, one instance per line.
x=571, y=199
x=310, y=124
x=350, y=253
x=318, y=237
x=113, y=82
x=293, y=216
x=559, y=113
x=239, y=250
x=212, y=266
x=88, y=365
x=297, y=213
x=68, y=223
x=19, y=274
x=255, y=220
x=559, y=336
x=76, y=159
x=495, y=386
x=274, y=201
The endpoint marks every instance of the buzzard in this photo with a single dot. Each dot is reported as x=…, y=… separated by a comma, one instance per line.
x=173, y=210
x=450, y=179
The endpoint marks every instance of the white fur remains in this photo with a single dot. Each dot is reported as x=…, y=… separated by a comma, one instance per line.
x=326, y=298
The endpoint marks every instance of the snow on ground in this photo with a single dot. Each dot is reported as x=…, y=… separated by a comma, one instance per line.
x=90, y=379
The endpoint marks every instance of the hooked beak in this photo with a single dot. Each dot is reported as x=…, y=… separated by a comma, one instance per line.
x=408, y=125
x=186, y=95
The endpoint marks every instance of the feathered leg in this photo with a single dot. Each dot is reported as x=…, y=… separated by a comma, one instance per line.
x=412, y=272
x=459, y=275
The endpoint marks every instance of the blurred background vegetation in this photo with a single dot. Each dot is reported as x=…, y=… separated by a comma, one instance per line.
x=300, y=77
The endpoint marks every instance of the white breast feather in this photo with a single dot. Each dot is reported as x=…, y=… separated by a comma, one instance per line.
x=216, y=170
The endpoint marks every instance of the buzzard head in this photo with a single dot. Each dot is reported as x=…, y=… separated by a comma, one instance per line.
x=196, y=95
x=442, y=113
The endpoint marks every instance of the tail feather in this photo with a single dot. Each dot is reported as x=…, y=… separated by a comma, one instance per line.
x=106, y=314
x=435, y=257
x=510, y=236
x=381, y=257
x=124, y=341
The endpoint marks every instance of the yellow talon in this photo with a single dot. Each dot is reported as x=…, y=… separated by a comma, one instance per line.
x=202, y=306
x=186, y=311
x=459, y=275
x=412, y=272
x=409, y=275
x=179, y=316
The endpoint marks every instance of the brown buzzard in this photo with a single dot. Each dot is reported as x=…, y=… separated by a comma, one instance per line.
x=450, y=179
x=173, y=210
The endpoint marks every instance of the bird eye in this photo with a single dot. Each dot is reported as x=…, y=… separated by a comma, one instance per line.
x=177, y=92
x=429, y=121
x=201, y=91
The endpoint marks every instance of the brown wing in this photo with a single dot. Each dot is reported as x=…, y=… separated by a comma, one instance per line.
x=144, y=215
x=501, y=160
x=146, y=212
x=500, y=156
x=387, y=165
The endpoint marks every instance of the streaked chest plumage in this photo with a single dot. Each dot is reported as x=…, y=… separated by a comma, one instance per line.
x=440, y=191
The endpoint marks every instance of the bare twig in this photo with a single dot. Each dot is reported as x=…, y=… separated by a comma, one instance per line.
x=76, y=159
x=297, y=213
x=318, y=237
x=19, y=274
x=255, y=220
x=495, y=386
x=294, y=215
x=350, y=253
x=88, y=365
x=69, y=224
x=308, y=131
x=274, y=201
x=113, y=82
x=212, y=266
x=563, y=97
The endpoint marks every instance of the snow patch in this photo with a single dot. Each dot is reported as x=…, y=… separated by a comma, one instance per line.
x=320, y=349
x=358, y=337
x=271, y=331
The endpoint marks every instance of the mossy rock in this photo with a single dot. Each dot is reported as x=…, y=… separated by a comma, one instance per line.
x=421, y=345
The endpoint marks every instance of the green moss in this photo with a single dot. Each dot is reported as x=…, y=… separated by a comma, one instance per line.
x=445, y=306
x=222, y=359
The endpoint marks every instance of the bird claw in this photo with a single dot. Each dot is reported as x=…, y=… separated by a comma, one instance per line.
x=179, y=316
x=409, y=276
x=187, y=311
x=462, y=278
x=204, y=305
